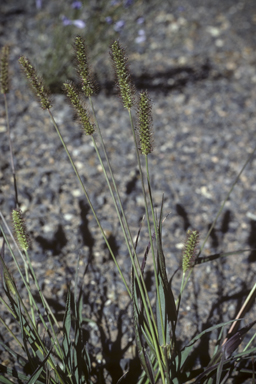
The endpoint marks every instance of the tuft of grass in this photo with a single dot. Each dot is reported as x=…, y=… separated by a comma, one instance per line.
x=63, y=356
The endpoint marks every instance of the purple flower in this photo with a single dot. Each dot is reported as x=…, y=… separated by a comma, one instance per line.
x=76, y=5
x=38, y=4
x=66, y=21
x=141, y=37
x=140, y=20
x=114, y=2
x=180, y=9
x=79, y=24
x=108, y=19
x=119, y=25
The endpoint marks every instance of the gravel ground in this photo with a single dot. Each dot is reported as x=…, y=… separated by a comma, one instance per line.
x=198, y=64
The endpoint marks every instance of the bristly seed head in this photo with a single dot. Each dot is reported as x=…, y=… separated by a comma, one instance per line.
x=190, y=250
x=82, y=67
x=20, y=229
x=144, y=123
x=36, y=83
x=80, y=110
x=123, y=76
x=4, y=71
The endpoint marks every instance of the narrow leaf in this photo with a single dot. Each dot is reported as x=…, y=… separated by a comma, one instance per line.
x=138, y=336
x=164, y=314
x=169, y=298
x=66, y=329
x=205, y=259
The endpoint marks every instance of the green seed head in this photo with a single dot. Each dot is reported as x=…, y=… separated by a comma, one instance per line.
x=36, y=83
x=20, y=229
x=190, y=250
x=4, y=71
x=73, y=96
x=144, y=123
x=122, y=74
x=82, y=67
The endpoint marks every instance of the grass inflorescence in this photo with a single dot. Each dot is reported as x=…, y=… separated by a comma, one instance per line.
x=63, y=356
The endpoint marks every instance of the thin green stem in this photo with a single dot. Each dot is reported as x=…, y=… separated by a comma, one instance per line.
x=32, y=299
x=11, y=152
x=123, y=214
x=167, y=366
x=120, y=204
x=10, y=331
x=44, y=302
x=116, y=190
x=153, y=252
x=122, y=219
x=158, y=349
x=29, y=295
x=89, y=201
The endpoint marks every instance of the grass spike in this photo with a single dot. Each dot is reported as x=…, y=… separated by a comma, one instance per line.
x=88, y=86
x=190, y=250
x=122, y=74
x=73, y=96
x=36, y=83
x=144, y=125
x=20, y=229
x=4, y=71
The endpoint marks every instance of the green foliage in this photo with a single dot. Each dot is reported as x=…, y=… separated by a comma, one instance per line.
x=63, y=357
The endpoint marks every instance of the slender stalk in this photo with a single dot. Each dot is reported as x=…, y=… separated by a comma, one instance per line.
x=10, y=331
x=44, y=302
x=150, y=235
x=144, y=291
x=29, y=295
x=125, y=224
x=122, y=219
x=40, y=346
x=89, y=201
x=24, y=261
x=153, y=252
x=11, y=152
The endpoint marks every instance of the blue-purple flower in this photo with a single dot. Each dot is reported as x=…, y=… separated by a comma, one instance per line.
x=76, y=5
x=140, y=20
x=77, y=23
x=109, y=20
x=66, y=21
x=38, y=4
x=141, y=37
x=119, y=25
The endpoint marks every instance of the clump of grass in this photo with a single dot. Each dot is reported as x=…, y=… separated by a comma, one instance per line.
x=64, y=357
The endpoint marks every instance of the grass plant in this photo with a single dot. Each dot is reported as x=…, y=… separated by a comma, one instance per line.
x=62, y=356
